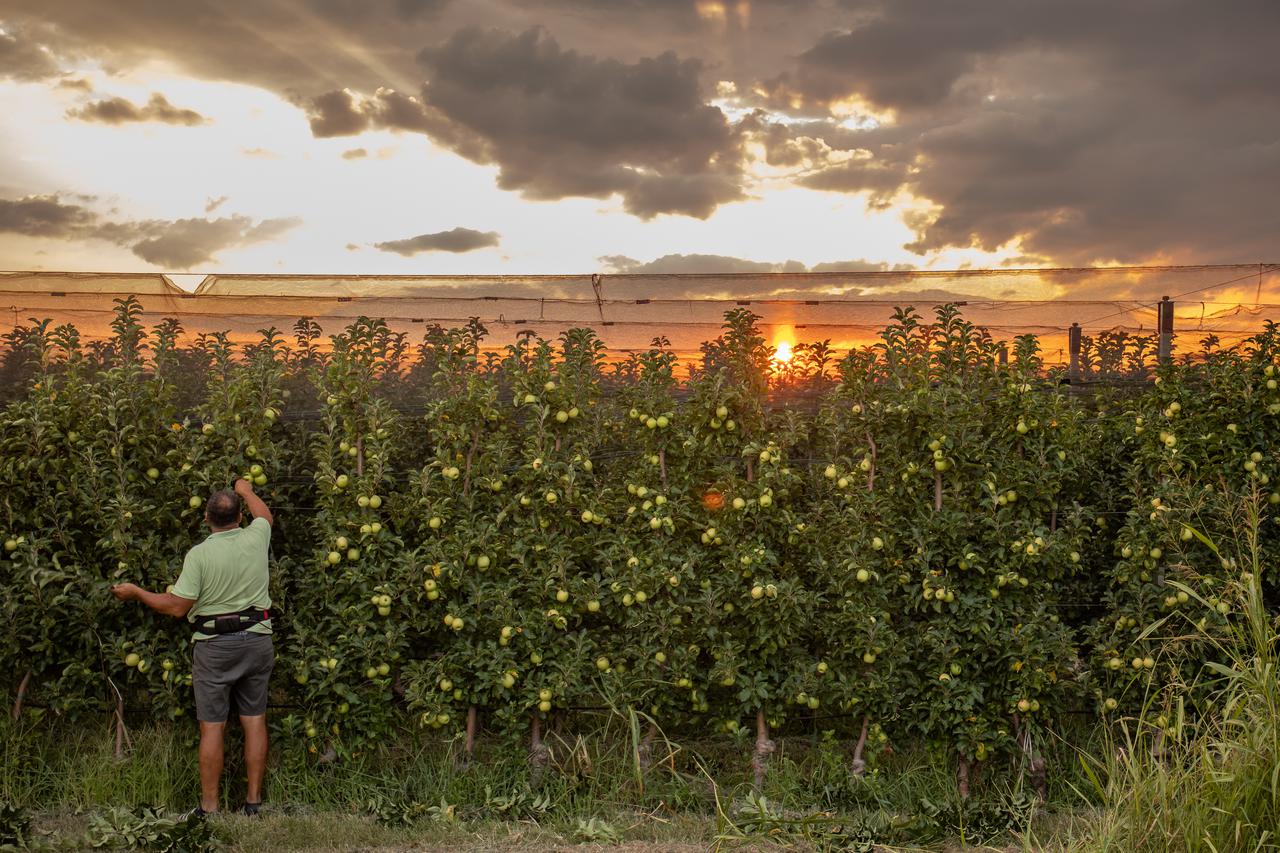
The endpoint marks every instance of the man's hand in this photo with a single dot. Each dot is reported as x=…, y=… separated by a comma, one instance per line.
x=252, y=502
x=125, y=591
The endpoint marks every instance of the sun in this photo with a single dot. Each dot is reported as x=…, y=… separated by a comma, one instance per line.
x=782, y=352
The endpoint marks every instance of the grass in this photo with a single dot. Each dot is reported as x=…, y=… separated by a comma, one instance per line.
x=1213, y=790
x=697, y=795
x=1215, y=785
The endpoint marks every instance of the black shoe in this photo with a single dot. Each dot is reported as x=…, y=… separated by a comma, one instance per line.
x=197, y=813
x=250, y=809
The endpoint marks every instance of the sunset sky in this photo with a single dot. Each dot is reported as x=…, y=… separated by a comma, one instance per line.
x=572, y=136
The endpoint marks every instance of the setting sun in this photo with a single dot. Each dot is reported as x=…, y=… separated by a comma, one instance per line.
x=782, y=352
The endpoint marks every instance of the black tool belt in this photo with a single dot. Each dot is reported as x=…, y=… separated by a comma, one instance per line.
x=230, y=622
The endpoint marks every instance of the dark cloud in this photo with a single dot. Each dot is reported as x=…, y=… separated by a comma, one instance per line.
x=453, y=240
x=124, y=111
x=860, y=266
x=43, y=216
x=336, y=114
x=75, y=84
x=695, y=264
x=185, y=243
x=361, y=15
x=704, y=264
x=172, y=244
x=417, y=8
x=277, y=44
x=1076, y=130
x=212, y=204
x=1083, y=132
x=22, y=57
x=559, y=123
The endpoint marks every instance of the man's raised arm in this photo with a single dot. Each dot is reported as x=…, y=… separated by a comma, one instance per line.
x=252, y=502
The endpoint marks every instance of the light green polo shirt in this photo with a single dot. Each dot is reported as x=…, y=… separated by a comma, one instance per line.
x=227, y=573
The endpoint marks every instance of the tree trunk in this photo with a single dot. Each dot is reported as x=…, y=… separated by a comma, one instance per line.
x=871, y=475
x=470, y=743
x=22, y=695
x=537, y=749
x=1040, y=777
x=937, y=491
x=644, y=752
x=1036, y=770
x=120, y=732
x=764, y=747
x=466, y=471
x=360, y=456
x=962, y=778
x=859, y=763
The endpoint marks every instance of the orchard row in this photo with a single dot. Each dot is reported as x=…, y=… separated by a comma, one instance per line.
x=913, y=540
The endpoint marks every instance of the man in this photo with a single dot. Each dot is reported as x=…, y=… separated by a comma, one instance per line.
x=223, y=591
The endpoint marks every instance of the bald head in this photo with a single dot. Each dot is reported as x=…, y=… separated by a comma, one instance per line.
x=223, y=509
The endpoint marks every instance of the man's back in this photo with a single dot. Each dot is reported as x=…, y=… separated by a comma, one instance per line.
x=227, y=573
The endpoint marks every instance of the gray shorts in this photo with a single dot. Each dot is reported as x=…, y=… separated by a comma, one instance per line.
x=230, y=672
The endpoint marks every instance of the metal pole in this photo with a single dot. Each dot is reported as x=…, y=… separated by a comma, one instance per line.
x=1073, y=346
x=1164, y=325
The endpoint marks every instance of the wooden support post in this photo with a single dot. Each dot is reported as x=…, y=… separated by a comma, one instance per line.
x=1073, y=348
x=1164, y=326
x=1002, y=355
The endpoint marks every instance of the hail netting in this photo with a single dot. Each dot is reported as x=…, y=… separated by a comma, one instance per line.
x=1230, y=302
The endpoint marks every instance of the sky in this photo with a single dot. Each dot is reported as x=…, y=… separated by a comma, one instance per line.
x=611, y=136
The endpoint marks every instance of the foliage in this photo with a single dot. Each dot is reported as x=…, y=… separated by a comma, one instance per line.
x=149, y=829
x=919, y=540
x=15, y=827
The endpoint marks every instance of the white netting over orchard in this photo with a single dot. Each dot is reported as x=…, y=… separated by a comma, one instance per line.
x=629, y=311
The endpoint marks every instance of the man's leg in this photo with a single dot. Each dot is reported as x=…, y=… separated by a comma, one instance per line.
x=210, y=764
x=251, y=705
x=255, y=755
